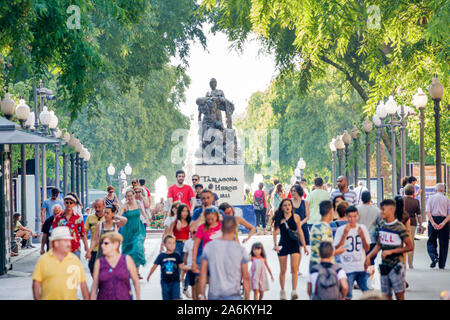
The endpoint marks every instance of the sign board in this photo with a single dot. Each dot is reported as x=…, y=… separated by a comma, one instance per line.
x=430, y=174
x=227, y=180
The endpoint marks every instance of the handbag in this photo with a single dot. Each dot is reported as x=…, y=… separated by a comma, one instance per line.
x=293, y=234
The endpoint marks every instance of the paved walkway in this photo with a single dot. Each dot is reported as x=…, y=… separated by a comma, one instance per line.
x=425, y=283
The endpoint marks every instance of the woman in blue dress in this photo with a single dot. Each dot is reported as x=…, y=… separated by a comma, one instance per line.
x=134, y=231
x=301, y=207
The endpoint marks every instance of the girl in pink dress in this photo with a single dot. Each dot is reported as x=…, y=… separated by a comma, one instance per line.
x=258, y=275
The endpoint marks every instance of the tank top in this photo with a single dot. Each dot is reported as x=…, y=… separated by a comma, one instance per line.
x=182, y=234
x=284, y=234
x=109, y=202
x=102, y=232
x=114, y=283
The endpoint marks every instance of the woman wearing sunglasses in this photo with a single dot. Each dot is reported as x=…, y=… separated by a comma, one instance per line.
x=113, y=271
x=111, y=198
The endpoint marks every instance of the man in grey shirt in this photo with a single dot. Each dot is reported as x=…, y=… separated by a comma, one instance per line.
x=226, y=260
x=369, y=215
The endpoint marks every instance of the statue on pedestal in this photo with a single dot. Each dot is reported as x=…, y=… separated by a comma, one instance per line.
x=211, y=107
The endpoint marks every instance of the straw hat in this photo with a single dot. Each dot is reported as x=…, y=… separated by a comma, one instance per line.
x=61, y=233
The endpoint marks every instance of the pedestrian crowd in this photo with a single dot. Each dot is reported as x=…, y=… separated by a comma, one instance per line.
x=340, y=230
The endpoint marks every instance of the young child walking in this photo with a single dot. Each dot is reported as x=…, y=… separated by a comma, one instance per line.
x=171, y=263
x=258, y=275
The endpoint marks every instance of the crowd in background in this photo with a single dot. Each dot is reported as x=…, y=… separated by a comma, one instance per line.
x=340, y=229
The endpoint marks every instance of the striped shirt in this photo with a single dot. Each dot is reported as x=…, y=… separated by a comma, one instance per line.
x=350, y=196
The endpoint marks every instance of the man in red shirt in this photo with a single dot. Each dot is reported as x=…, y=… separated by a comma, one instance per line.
x=181, y=192
x=74, y=222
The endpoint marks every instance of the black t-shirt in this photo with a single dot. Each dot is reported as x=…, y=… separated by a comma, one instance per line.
x=216, y=197
x=169, y=266
x=46, y=228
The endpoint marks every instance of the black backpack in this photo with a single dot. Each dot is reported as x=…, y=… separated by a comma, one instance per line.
x=327, y=284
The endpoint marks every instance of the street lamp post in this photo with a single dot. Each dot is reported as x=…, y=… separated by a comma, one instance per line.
x=355, y=133
x=128, y=170
x=87, y=157
x=81, y=195
x=378, y=120
x=66, y=138
x=346, y=138
x=333, y=156
x=436, y=91
x=45, y=118
x=367, y=127
x=340, y=148
x=420, y=101
x=391, y=108
x=111, y=170
x=72, y=172
x=22, y=113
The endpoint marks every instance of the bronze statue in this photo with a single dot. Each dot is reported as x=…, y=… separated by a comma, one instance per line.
x=211, y=107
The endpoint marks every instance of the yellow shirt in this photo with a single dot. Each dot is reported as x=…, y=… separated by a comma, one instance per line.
x=91, y=224
x=59, y=279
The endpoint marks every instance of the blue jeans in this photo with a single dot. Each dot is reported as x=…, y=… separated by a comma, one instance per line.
x=361, y=279
x=179, y=245
x=170, y=290
x=78, y=254
x=261, y=218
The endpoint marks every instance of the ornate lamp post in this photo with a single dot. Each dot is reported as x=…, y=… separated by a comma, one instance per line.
x=346, y=138
x=436, y=91
x=82, y=198
x=45, y=117
x=420, y=101
x=367, y=127
x=57, y=133
x=391, y=108
x=111, y=170
x=340, y=149
x=78, y=149
x=8, y=106
x=66, y=138
x=333, y=155
x=355, y=133
x=128, y=170
x=87, y=157
x=22, y=113
x=378, y=120
x=403, y=112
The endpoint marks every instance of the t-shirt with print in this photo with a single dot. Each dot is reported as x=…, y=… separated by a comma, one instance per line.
x=208, y=235
x=391, y=237
x=169, y=263
x=319, y=232
x=188, y=247
x=183, y=194
x=352, y=260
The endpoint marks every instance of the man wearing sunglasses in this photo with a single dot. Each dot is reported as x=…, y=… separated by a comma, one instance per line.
x=195, y=180
x=74, y=222
x=181, y=192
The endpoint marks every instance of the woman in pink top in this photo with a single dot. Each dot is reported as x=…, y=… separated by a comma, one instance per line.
x=206, y=232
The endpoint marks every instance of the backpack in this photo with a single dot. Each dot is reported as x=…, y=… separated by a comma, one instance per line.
x=259, y=202
x=327, y=284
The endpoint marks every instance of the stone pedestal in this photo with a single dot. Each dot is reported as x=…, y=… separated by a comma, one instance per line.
x=228, y=181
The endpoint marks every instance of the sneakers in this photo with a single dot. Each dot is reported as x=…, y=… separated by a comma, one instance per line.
x=294, y=295
x=433, y=264
x=186, y=293
x=282, y=295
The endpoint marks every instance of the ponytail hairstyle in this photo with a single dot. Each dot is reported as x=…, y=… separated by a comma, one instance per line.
x=399, y=208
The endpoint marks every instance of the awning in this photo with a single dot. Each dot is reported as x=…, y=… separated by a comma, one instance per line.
x=12, y=133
